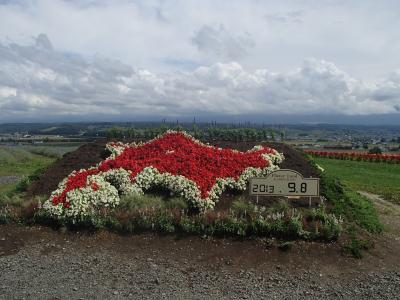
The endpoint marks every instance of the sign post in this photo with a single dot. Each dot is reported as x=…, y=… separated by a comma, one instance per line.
x=284, y=182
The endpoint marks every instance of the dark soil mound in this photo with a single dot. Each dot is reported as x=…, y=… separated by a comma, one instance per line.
x=84, y=157
x=90, y=154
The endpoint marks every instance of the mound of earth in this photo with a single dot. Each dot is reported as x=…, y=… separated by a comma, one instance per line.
x=92, y=153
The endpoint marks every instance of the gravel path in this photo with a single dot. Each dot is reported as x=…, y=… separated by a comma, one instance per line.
x=37, y=263
x=101, y=275
x=9, y=179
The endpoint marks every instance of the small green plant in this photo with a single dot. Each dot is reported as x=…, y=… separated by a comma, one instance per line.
x=280, y=207
x=319, y=213
x=294, y=226
x=330, y=229
x=164, y=223
x=356, y=245
x=135, y=202
x=242, y=207
x=23, y=184
x=5, y=215
x=11, y=200
x=176, y=202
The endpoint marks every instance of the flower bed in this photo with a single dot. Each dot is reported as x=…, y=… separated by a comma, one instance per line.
x=387, y=158
x=197, y=172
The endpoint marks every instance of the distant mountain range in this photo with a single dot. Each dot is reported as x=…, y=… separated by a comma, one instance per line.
x=378, y=119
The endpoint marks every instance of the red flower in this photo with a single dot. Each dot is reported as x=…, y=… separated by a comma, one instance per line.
x=177, y=154
x=390, y=158
x=95, y=186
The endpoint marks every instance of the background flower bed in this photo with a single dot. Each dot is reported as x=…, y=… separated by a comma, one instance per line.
x=386, y=158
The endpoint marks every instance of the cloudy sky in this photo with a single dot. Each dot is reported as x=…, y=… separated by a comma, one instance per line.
x=125, y=59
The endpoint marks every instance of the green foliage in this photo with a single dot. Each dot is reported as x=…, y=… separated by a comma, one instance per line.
x=17, y=161
x=356, y=246
x=294, y=226
x=51, y=151
x=135, y=201
x=212, y=133
x=380, y=178
x=147, y=213
x=280, y=206
x=17, y=209
x=11, y=200
x=176, y=202
x=330, y=230
x=148, y=201
x=5, y=216
x=23, y=184
x=375, y=150
x=13, y=155
x=351, y=205
x=242, y=207
x=319, y=213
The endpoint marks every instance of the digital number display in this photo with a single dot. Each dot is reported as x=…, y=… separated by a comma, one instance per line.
x=284, y=183
x=262, y=188
x=292, y=188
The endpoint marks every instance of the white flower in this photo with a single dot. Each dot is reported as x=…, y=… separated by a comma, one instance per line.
x=104, y=188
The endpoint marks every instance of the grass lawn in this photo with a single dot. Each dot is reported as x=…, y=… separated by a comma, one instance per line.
x=378, y=178
x=20, y=162
x=6, y=188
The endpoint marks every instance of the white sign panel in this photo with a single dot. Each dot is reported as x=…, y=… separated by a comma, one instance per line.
x=284, y=183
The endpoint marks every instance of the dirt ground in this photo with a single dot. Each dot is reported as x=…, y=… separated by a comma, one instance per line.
x=40, y=263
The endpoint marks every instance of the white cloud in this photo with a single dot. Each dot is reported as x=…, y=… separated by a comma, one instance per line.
x=38, y=81
x=221, y=43
x=361, y=37
x=294, y=17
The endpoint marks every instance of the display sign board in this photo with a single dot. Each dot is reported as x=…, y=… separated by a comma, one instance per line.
x=284, y=183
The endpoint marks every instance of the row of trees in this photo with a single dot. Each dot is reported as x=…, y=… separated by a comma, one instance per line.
x=206, y=134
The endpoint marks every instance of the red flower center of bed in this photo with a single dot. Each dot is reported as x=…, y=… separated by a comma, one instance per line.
x=177, y=154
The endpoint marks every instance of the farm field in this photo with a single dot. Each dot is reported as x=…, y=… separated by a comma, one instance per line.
x=17, y=162
x=377, y=178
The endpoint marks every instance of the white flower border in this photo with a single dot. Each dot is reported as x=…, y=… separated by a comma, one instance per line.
x=86, y=201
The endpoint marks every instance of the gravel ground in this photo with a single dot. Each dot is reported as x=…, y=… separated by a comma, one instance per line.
x=9, y=179
x=44, y=264
x=101, y=275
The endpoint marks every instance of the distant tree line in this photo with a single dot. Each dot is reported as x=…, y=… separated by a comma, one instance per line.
x=205, y=134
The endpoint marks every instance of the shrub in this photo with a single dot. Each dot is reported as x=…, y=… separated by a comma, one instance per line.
x=356, y=246
x=280, y=207
x=13, y=200
x=242, y=207
x=375, y=150
x=135, y=202
x=5, y=215
x=176, y=202
x=23, y=184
